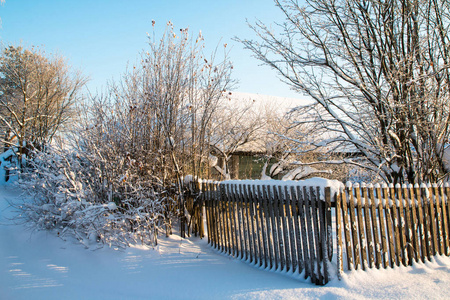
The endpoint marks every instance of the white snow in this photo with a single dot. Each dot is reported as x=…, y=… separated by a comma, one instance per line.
x=335, y=185
x=40, y=265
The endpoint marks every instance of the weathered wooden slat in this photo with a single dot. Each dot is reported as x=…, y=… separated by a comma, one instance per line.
x=259, y=224
x=283, y=216
x=437, y=206
x=289, y=215
x=426, y=220
x=354, y=229
x=214, y=214
x=275, y=240
x=445, y=227
x=217, y=203
x=361, y=236
x=249, y=225
x=323, y=236
x=381, y=218
x=421, y=224
x=298, y=234
x=315, y=198
x=310, y=230
x=339, y=241
x=329, y=222
x=304, y=230
x=375, y=226
x=409, y=239
x=390, y=230
x=234, y=237
x=255, y=233
x=347, y=231
x=227, y=215
x=270, y=251
x=395, y=224
x=264, y=228
x=239, y=220
x=447, y=193
x=242, y=201
x=415, y=222
x=207, y=214
x=432, y=220
x=226, y=219
x=370, y=248
x=401, y=227
x=277, y=214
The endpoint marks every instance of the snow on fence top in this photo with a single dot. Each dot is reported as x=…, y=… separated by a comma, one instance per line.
x=335, y=185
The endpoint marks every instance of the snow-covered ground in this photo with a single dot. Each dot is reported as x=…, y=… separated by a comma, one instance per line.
x=40, y=265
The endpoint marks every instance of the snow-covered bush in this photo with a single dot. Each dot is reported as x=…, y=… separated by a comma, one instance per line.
x=71, y=195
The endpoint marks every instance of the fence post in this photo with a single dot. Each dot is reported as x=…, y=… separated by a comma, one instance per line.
x=339, y=244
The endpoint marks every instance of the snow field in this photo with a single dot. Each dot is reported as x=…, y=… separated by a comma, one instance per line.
x=40, y=265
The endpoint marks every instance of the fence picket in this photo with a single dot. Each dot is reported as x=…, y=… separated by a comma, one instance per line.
x=445, y=229
x=283, y=204
x=277, y=213
x=440, y=242
x=315, y=198
x=270, y=248
x=295, y=219
x=301, y=198
x=402, y=223
x=234, y=237
x=339, y=243
x=384, y=237
x=276, y=243
x=415, y=223
x=426, y=220
x=409, y=240
x=369, y=246
x=376, y=240
x=264, y=229
x=310, y=230
x=447, y=194
x=421, y=224
x=432, y=220
x=289, y=216
x=250, y=229
x=389, y=230
x=323, y=233
x=354, y=228
x=362, y=239
x=254, y=225
x=347, y=231
x=395, y=224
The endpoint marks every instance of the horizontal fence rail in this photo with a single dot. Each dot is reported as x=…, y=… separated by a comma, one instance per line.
x=286, y=228
x=386, y=226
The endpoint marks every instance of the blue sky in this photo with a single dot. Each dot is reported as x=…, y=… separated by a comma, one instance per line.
x=100, y=37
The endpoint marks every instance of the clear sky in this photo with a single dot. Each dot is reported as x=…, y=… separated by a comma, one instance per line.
x=99, y=37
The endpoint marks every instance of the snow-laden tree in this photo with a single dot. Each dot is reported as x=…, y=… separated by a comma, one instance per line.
x=378, y=72
x=37, y=93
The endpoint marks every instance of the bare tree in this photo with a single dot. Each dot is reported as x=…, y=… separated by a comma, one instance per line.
x=378, y=71
x=36, y=96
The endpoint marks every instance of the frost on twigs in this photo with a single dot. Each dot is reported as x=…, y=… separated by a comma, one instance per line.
x=73, y=196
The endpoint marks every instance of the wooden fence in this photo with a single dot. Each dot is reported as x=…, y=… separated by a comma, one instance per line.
x=279, y=227
x=289, y=228
x=381, y=226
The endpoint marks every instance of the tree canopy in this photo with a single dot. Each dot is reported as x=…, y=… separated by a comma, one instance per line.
x=378, y=71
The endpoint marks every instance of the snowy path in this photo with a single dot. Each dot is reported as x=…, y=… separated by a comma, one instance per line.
x=42, y=266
